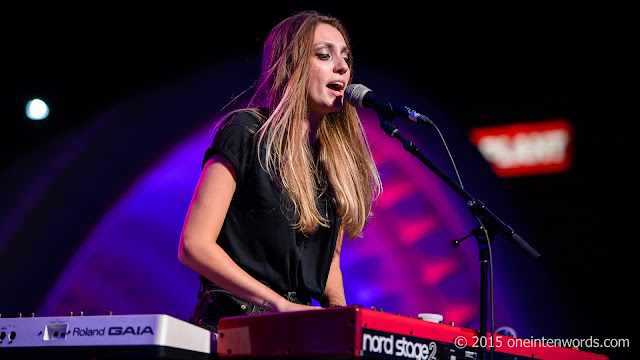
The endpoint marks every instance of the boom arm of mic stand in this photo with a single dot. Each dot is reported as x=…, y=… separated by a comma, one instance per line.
x=473, y=204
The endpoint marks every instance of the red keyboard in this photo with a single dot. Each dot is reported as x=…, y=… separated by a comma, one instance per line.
x=352, y=331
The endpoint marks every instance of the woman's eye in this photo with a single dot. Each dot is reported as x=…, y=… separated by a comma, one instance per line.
x=323, y=56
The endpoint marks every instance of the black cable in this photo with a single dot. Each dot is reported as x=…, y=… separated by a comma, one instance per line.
x=486, y=234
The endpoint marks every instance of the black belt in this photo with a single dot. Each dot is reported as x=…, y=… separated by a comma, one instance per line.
x=292, y=296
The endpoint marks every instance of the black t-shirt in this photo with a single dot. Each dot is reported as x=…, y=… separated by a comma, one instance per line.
x=257, y=232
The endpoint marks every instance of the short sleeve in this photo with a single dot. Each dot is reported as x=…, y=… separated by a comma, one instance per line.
x=235, y=141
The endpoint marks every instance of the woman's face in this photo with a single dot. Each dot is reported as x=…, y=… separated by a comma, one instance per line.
x=329, y=73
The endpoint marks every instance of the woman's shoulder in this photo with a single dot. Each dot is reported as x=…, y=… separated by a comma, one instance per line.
x=251, y=119
x=234, y=135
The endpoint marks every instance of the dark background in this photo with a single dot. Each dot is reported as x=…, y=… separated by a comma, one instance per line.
x=485, y=64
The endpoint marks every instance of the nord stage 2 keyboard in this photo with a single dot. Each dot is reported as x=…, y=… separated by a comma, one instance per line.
x=354, y=332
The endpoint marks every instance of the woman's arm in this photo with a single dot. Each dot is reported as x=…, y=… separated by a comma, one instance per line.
x=334, y=290
x=198, y=248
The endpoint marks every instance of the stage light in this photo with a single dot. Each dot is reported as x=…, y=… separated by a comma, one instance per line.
x=37, y=109
x=523, y=149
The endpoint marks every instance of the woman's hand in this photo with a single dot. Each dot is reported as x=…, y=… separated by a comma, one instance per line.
x=288, y=306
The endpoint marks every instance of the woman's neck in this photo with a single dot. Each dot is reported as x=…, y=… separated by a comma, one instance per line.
x=313, y=123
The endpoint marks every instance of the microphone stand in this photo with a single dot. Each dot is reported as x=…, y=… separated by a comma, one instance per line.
x=483, y=234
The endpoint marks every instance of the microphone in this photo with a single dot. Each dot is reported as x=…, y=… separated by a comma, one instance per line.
x=360, y=96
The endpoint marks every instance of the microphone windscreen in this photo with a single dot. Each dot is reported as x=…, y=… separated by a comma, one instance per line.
x=354, y=94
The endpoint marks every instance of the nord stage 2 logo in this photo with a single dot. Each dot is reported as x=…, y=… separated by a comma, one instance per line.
x=385, y=345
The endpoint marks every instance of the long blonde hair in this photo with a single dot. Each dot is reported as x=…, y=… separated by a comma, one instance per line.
x=344, y=155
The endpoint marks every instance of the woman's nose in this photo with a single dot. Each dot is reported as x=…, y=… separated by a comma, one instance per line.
x=341, y=66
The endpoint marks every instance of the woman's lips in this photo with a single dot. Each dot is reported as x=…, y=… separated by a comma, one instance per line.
x=337, y=87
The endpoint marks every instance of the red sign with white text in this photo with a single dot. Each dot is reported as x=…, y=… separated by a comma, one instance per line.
x=526, y=148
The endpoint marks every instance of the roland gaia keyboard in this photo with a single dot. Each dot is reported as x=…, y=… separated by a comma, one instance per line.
x=103, y=337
